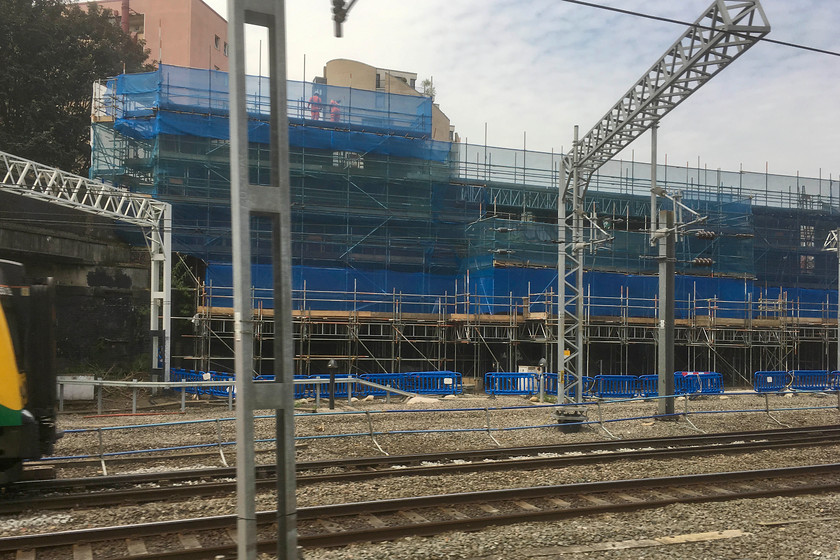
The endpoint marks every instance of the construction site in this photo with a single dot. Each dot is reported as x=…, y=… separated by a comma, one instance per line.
x=414, y=253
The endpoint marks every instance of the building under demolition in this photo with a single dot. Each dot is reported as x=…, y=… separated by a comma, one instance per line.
x=413, y=251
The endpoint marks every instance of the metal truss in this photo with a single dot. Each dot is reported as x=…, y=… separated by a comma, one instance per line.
x=723, y=33
x=34, y=180
x=504, y=197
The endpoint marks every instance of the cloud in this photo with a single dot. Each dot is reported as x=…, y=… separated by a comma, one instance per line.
x=543, y=66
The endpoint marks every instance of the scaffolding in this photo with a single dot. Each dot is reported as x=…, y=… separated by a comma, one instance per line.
x=410, y=253
x=397, y=332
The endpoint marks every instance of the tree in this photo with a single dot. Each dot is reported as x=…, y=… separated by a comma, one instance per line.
x=50, y=55
x=428, y=88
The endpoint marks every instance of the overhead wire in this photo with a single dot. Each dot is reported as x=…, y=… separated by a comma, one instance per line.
x=690, y=24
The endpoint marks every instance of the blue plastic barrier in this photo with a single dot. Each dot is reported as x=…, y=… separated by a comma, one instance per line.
x=770, y=381
x=402, y=381
x=437, y=382
x=809, y=380
x=221, y=390
x=703, y=382
x=615, y=386
x=647, y=386
x=187, y=375
x=687, y=382
x=834, y=381
x=569, y=383
x=302, y=391
x=510, y=383
x=711, y=383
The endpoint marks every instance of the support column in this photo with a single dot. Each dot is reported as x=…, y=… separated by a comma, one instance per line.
x=837, y=249
x=665, y=341
x=577, y=250
x=561, y=282
x=273, y=202
x=160, y=289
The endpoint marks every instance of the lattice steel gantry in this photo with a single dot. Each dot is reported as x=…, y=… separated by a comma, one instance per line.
x=34, y=180
x=724, y=32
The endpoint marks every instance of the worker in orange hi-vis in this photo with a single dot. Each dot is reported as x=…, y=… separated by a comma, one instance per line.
x=315, y=106
x=335, y=110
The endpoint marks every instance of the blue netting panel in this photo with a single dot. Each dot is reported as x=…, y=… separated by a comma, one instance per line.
x=189, y=101
x=334, y=289
x=608, y=294
x=497, y=291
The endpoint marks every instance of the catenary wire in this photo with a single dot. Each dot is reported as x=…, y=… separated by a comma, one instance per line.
x=680, y=22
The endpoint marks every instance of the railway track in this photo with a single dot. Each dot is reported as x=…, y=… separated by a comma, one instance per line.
x=150, y=487
x=341, y=524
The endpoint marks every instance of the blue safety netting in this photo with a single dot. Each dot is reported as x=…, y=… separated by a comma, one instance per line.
x=501, y=289
x=189, y=101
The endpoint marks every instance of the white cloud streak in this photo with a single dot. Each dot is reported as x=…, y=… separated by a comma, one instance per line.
x=542, y=66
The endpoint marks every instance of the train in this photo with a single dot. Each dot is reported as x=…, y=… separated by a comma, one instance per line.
x=28, y=429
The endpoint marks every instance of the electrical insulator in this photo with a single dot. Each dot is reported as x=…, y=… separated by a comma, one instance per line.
x=702, y=261
x=704, y=234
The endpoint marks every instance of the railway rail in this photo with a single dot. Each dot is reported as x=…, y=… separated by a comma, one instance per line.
x=342, y=524
x=158, y=486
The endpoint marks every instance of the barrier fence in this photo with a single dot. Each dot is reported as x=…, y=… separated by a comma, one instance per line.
x=604, y=386
x=222, y=385
x=796, y=380
x=421, y=382
x=493, y=420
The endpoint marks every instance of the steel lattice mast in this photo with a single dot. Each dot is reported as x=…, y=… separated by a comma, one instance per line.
x=34, y=180
x=723, y=33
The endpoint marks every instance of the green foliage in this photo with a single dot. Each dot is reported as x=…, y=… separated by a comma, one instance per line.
x=428, y=88
x=183, y=290
x=50, y=55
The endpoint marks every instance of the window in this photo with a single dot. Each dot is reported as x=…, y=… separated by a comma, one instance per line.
x=806, y=264
x=226, y=49
x=806, y=236
x=348, y=160
x=216, y=42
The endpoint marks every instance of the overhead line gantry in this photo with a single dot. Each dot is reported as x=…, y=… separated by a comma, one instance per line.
x=49, y=184
x=719, y=36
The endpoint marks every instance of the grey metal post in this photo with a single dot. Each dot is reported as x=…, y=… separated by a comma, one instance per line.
x=838, y=300
x=332, y=365
x=160, y=289
x=272, y=201
x=665, y=340
x=654, y=189
x=561, y=284
x=577, y=249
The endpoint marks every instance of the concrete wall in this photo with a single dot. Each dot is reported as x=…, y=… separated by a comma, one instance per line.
x=102, y=281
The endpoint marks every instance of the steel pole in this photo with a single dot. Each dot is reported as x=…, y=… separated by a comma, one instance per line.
x=561, y=283
x=272, y=201
x=665, y=331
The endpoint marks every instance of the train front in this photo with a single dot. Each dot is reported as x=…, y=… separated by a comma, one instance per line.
x=27, y=371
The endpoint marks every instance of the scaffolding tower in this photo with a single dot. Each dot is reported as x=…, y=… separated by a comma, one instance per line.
x=412, y=254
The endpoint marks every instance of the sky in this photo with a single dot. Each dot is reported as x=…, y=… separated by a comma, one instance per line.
x=530, y=70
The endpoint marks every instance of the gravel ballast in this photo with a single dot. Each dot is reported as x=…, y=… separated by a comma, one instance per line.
x=808, y=535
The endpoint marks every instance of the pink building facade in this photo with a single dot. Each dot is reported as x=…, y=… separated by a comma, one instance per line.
x=178, y=32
